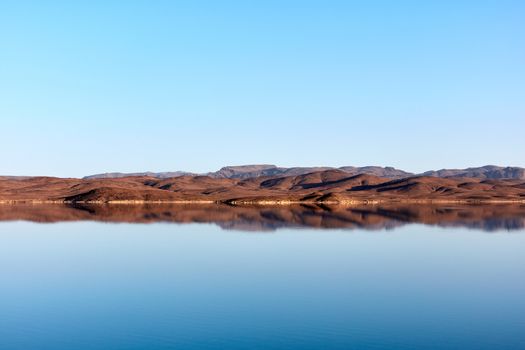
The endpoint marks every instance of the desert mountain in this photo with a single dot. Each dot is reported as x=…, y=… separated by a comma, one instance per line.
x=327, y=186
x=259, y=170
x=484, y=172
x=164, y=175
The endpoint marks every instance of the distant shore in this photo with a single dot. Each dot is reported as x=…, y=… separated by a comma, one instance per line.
x=319, y=187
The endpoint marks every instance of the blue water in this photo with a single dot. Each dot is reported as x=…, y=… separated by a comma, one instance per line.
x=90, y=285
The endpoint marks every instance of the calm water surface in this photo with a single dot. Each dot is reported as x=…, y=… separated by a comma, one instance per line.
x=92, y=285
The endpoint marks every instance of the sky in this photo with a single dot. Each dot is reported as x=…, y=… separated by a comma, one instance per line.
x=100, y=86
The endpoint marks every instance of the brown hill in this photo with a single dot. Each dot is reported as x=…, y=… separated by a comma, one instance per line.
x=329, y=186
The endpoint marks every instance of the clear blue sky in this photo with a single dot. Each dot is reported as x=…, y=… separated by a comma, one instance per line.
x=96, y=86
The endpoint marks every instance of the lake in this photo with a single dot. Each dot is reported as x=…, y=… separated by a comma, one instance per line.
x=216, y=277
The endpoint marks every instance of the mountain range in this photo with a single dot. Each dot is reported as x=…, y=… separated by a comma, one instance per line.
x=252, y=171
x=265, y=184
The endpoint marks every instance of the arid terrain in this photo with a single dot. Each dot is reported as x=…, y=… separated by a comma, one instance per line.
x=258, y=170
x=332, y=186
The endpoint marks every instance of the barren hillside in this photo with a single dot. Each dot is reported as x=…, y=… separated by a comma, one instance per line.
x=327, y=186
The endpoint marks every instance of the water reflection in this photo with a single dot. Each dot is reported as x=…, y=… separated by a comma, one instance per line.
x=253, y=218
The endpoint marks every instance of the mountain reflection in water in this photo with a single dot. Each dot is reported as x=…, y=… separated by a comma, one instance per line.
x=266, y=218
